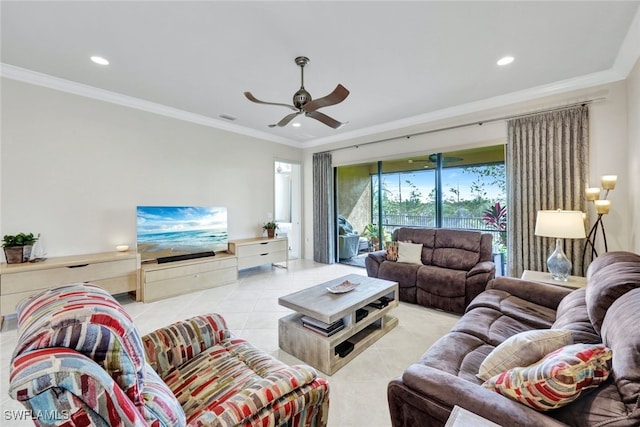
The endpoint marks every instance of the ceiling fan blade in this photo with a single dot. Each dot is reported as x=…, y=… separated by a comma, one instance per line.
x=252, y=98
x=285, y=120
x=338, y=95
x=324, y=119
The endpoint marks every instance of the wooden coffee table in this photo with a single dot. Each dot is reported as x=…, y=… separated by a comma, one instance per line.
x=318, y=303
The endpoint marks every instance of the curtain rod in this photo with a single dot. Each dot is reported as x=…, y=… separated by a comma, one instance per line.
x=477, y=123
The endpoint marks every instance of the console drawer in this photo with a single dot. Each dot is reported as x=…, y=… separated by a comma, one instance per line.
x=260, y=248
x=50, y=277
x=178, y=285
x=266, y=258
x=173, y=271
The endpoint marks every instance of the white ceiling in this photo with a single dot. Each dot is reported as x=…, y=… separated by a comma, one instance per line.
x=402, y=61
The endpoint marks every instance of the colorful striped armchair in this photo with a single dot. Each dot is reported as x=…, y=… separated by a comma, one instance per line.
x=80, y=361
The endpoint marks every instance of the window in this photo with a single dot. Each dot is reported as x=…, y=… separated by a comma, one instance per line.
x=460, y=189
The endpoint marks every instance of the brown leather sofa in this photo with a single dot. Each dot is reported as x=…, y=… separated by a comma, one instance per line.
x=456, y=267
x=607, y=311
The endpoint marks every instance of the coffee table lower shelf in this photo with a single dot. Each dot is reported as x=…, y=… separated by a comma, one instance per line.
x=319, y=351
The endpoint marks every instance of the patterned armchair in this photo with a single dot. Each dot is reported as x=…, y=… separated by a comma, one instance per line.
x=81, y=361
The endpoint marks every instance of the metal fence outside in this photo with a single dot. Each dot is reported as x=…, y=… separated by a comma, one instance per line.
x=392, y=221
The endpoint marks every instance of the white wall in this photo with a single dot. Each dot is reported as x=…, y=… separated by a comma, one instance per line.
x=609, y=146
x=74, y=169
x=633, y=126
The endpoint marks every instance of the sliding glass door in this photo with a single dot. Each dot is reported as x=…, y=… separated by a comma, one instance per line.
x=461, y=189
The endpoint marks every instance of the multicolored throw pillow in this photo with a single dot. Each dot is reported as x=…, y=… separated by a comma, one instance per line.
x=556, y=380
x=392, y=251
x=523, y=349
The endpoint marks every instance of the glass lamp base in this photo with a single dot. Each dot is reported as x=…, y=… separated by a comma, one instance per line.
x=558, y=264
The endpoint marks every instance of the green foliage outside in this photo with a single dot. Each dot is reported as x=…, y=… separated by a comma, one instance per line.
x=459, y=211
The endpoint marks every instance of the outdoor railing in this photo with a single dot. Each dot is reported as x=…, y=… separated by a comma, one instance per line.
x=391, y=222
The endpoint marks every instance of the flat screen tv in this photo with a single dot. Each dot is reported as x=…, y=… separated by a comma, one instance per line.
x=173, y=231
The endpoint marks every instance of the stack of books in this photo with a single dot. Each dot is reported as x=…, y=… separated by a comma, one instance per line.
x=326, y=329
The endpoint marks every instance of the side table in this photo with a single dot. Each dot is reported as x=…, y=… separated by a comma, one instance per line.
x=573, y=282
x=460, y=417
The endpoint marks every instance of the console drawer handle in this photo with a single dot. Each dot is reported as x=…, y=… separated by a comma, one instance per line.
x=77, y=266
x=264, y=243
x=264, y=254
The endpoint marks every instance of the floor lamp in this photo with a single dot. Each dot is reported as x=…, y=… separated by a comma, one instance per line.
x=602, y=205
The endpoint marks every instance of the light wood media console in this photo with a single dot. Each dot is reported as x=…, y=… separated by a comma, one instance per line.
x=160, y=281
x=256, y=251
x=117, y=272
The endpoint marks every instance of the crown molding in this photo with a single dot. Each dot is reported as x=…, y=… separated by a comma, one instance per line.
x=56, y=83
x=629, y=51
x=556, y=88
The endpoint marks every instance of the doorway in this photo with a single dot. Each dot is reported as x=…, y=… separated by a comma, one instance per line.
x=288, y=204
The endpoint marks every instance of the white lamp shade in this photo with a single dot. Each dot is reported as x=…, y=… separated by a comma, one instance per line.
x=560, y=224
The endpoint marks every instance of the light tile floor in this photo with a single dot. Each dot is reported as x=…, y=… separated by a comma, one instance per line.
x=250, y=306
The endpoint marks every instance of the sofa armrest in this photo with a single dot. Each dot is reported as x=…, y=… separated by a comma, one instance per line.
x=536, y=292
x=482, y=267
x=64, y=384
x=378, y=256
x=173, y=345
x=373, y=260
x=445, y=390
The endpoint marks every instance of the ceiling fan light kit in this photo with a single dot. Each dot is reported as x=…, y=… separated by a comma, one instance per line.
x=303, y=103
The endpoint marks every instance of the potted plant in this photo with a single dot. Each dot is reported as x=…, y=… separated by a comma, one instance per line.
x=372, y=233
x=271, y=228
x=18, y=248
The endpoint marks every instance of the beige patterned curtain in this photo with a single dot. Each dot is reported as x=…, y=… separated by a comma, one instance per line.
x=324, y=227
x=547, y=169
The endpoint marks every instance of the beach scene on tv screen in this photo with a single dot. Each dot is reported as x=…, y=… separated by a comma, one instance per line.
x=177, y=230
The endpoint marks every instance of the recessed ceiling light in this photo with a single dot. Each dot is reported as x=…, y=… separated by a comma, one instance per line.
x=99, y=60
x=505, y=60
x=296, y=125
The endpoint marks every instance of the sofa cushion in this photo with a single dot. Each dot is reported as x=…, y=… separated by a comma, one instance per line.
x=621, y=333
x=607, y=282
x=425, y=236
x=441, y=281
x=169, y=347
x=456, y=249
x=572, y=315
x=404, y=274
x=410, y=253
x=458, y=354
x=535, y=316
x=87, y=319
x=489, y=325
x=556, y=380
x=231, y=380
x=159, y=402
x=523, y=349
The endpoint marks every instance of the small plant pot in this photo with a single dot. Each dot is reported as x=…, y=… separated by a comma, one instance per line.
x=18, y=254
x=271, y=233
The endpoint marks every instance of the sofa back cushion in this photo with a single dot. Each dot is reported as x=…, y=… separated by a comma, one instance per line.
x=621, y=333
x=87, y=319
x=426, y=236
x=609, y=277
x=572, y=315
x=456, y=249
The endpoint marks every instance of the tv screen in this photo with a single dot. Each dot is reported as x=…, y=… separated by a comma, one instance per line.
x=165, y=231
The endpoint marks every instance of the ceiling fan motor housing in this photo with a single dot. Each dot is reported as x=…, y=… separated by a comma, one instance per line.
x=301, y=97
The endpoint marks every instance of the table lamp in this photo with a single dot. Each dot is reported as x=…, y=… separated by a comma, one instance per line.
x=560, y=224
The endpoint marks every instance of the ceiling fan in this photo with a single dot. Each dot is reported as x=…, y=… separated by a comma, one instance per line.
x=304, y=104
x=433, y=158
